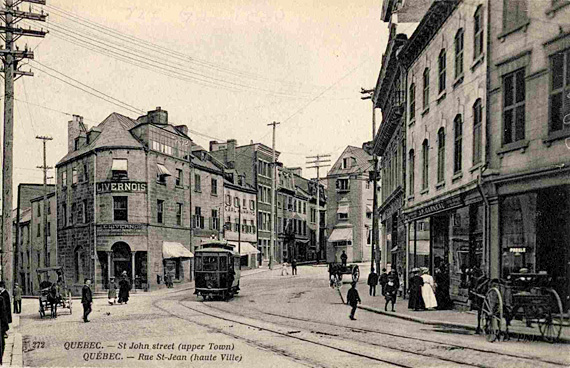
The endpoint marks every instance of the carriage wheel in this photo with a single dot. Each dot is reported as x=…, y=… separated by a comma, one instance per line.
x=492, y=314
x=550, y=325
x=355, y=274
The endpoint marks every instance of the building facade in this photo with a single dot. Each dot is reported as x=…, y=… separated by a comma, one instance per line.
x=527, y=177
x=124, y=201
x=446, y=74
x=349, y=207
x=41, y=249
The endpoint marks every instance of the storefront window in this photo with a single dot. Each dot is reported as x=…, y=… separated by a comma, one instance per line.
x=518, y=233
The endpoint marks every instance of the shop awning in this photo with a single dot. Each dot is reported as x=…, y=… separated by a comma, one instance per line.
x=341, y=234
x=175, y=250
x=422, y=247
x=162, y=170
x=119, y=164
x=245, y=248
x=342, y=209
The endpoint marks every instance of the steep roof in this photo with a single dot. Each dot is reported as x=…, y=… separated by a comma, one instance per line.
x=362, y=162
x=114, y=132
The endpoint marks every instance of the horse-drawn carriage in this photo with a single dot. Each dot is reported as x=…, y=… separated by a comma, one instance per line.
x=336, y=270
x=53, y=294
x=524, y=296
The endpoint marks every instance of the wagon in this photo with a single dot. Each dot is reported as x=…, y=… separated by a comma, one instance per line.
x=339, y=269
x=526, y=296
x=64, y=301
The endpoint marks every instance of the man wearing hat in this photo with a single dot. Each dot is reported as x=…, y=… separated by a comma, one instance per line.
x=416, y=282
x=124, y=287
x=112, y=294
x=352, y=299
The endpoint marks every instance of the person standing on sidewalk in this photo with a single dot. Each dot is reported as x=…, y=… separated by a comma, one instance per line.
x=112, y=294
x=284, y=269
x=416, y=282
x=86, y=299
x=372, y=281
x=391, y=291
x=383, y=280
x=17, y=299
x=428, y=289
x=352, y=299
x=294, y=267
x=124, y=287
x=4, y=327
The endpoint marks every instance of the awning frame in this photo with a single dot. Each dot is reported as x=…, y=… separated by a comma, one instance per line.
x=162, y=170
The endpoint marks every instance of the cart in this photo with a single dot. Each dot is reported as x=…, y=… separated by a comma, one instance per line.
x=526, y=296
x=64, y=300
x=339, y=269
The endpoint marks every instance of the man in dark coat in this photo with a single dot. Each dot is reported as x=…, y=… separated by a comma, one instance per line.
x=343, y=259
x=124, y=287
x=372, y=282
x=7, y=304
x=3, y=327
x=416, y=301
x=391, y=290
x=294, y=267
x=86, y=299
x=352, y=299
x=383, y=279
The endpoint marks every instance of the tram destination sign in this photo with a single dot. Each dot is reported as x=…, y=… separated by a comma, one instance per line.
x=122, y=186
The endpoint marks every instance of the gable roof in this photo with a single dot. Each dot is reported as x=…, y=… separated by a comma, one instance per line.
x=115, y=132
x=362, y=165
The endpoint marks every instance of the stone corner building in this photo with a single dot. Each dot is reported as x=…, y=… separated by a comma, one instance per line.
x=123, y=201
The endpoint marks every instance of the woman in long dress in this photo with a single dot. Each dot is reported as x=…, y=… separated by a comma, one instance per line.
x=428, y=288
x=124, y=287
x=416, y=302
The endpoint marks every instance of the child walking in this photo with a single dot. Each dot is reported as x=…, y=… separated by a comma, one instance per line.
x=391, y=290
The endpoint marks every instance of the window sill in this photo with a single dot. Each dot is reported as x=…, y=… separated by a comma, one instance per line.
x=440, y=185
x=441, y=97
x=554, y=136
x=550, y=12
x=425, y=191
x=458, y=175
x=412, y=122
x=458, y=81
x=522, y=145
x=214, y=194
x=522, y=26
x=475, y=167
x=197, y=191
x=161, y=182
x=426, y=110
x=179, y=186
x=410, y=198
x=478, y=61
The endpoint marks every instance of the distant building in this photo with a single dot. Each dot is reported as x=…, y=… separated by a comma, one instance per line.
x=38, y=258
x=349, y=207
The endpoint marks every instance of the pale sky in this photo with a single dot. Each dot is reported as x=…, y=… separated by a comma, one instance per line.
x=256, y=61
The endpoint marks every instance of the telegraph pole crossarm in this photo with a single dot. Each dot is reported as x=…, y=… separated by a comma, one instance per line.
x=319, y=161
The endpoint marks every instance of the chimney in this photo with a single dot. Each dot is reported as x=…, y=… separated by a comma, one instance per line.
x=231, y=153
x=74, y=129
x=213, y=146
x=158, y=116
x=182, y=129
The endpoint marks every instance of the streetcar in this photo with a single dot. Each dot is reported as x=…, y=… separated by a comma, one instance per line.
x=216, y=271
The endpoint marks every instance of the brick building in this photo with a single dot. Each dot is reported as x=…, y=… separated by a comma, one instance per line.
x=123, y=201
x=349, y=207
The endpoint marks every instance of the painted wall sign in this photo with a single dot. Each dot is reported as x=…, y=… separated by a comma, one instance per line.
x=124, y=186
x=120, y=229
x=446, y=204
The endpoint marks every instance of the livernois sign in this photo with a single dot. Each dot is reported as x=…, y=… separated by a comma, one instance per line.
x=123, y=186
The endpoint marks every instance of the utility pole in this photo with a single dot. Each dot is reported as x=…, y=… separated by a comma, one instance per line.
x=376, y=254
x=11, y=56
x=45, y=168
x=239, y=233
x=272, y=220
x=319, y=161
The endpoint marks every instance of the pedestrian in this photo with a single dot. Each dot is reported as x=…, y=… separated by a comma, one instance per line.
x=383, y=279
x=294, y=267
x=372, y=281
x=284, y=269
x=124, y=287
x=352, y=299
x=391, y=290
x=112, y=294
x=4, y=327
x=428, y=289
x=17, y=299
x=441, y=278
x=86, y=299
x=343, y=259
x=416, y=301
x=7, y=304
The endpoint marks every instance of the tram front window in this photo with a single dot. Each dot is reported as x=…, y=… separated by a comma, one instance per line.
x=209, y=263
x=223, y=263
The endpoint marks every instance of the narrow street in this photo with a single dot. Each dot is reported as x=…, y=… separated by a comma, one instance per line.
x=275, y=321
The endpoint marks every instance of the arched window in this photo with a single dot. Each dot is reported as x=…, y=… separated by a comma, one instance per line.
x=458, y=127
x=477, y=133
x=426, y=88
x=459, y=53
x=442, y=69
x=412, y=102
x=411, y=168
x=440, y=155
x=425, y=163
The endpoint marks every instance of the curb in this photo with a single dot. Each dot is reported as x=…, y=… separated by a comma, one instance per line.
x=424, y=321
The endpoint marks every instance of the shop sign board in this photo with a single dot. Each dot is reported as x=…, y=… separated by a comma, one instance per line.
x=122, y=186
x=120, y=229
x=440, y=206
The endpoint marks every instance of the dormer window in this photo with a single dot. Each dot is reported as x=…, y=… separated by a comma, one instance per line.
x=120, y=168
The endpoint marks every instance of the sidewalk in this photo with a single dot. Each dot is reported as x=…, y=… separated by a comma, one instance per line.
x=13, y=355
x=443, y=318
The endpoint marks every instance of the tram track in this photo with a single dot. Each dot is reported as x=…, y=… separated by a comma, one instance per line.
x=445, y=345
